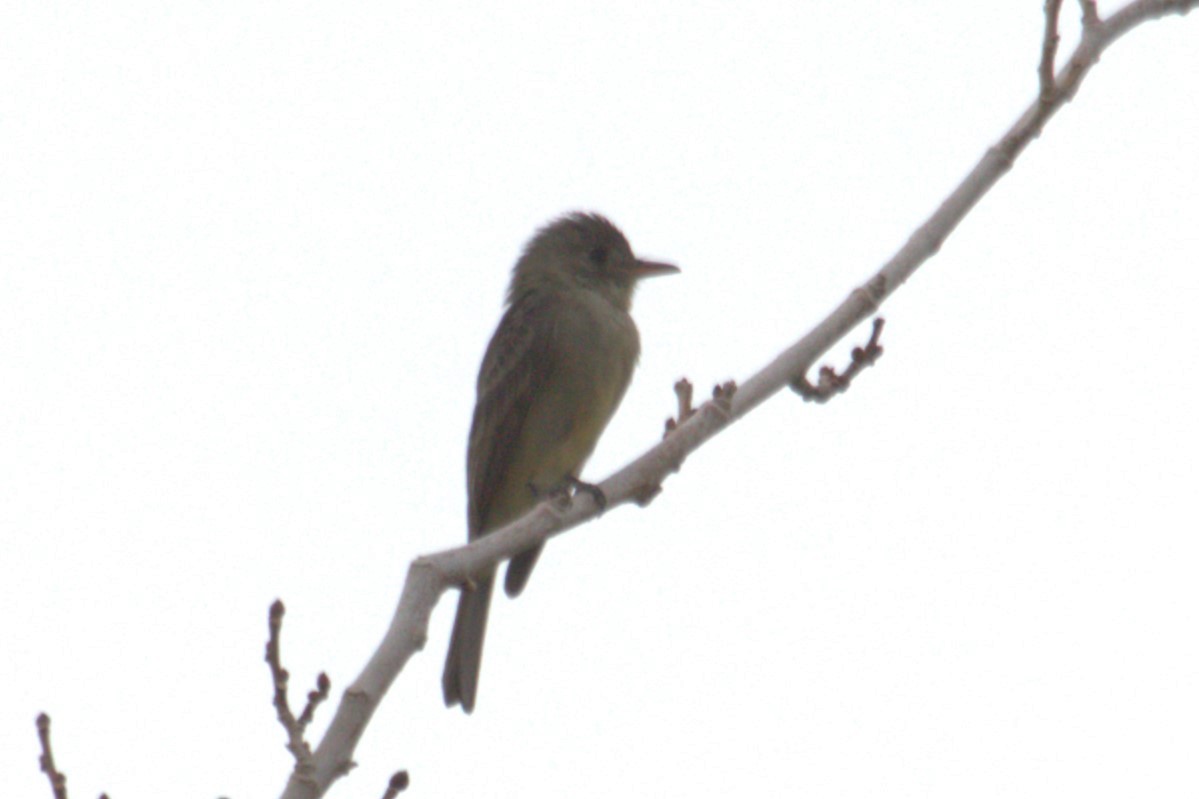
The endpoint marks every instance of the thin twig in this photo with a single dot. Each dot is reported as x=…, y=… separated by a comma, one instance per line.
x=58, y=780
x=683, y=391
x=299, y=748
x=315, y=697
x=830, y=382
x=1049, y=44
x=397, y=783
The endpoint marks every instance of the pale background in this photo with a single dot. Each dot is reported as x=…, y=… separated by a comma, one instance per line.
x=250, y=256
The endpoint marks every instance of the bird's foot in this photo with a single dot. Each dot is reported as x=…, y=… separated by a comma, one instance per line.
x=570, y=485
x=595, y=491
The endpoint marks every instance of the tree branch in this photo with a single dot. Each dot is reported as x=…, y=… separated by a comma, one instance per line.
x=831, y=383
x=1049, y=42
x=431, y=575
x=294, y=727
x=58, y=780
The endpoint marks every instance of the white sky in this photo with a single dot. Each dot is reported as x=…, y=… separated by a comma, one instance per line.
x=251, y=253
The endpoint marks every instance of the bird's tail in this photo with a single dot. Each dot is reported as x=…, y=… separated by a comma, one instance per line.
x=519, y=569
x=460, y=680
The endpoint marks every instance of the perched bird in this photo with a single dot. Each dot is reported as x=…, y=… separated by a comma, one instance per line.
x=554, y=372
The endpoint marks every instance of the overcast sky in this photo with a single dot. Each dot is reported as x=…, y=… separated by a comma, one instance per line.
x=251, y=254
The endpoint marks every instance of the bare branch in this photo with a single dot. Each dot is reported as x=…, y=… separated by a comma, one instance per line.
x=431, y=575
x=299, y=748
x=58, y=780
x=684, y=391
x=1049, y=44
x=315, y=697
x=830, y=382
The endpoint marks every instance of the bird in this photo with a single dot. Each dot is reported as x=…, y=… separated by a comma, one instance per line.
x=552, y=377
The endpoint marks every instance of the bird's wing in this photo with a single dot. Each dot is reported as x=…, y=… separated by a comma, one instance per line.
x=515, y=367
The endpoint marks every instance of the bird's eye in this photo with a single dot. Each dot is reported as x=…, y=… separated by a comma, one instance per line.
x=598, y=255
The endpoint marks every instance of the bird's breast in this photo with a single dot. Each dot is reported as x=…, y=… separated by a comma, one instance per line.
x=594, y=353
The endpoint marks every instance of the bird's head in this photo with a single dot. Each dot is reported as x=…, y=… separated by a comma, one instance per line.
x=585, y=250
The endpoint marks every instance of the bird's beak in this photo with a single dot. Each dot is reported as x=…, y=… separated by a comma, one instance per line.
x=640, y=268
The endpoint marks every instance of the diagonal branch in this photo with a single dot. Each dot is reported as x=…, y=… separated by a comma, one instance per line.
x=431, y=575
